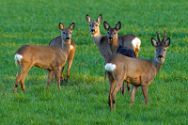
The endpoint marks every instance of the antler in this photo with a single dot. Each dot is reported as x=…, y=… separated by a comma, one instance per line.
x=158, y=37
x=164, y=36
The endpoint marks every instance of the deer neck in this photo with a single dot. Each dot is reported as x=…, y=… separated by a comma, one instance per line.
x=97, y=37
x=65, y=46
x=157, y=64
x=114, y=44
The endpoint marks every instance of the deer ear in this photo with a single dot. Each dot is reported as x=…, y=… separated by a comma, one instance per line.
x=118, y=25
x=106, y=25
x=153, y=42
x=61, y=26
x=72, y=26
x=167, y=42
x=88, y=18
x=99, y=19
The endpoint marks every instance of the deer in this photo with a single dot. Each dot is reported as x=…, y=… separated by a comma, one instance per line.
x=130, y=42
x=128, y=45
x=138, y=72
x=57, y=42
x=98, y=38
x=49, y=58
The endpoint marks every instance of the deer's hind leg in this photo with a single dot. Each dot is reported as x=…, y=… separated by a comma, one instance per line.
x=62, y=76
x=25, y=67
x=112, y=85
x=117, y=88
x=123, y=90
x=110, y=99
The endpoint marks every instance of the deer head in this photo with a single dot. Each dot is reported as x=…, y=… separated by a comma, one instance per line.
x=66, y=33
x=94, y=24
x=161, y=47
x=112, y=33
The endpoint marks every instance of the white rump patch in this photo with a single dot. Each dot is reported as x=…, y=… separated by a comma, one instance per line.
x=18, y=58
x=136, y=42
x=110, y=67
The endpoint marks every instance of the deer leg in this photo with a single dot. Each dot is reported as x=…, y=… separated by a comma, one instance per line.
x=110, y=100
x=21, y=77
x=133, y=94
x=58, y=75
x=70, y=60
x=50, y=76
x=62, y=77
x=112, y=85
x=128, y=87
x=18, y=78
x=123, y=87
x=145, y=93
x=123, y=90
x=117, y=88
x=24, y=74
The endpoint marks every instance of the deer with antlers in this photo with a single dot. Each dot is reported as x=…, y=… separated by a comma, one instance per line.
x=138, y=72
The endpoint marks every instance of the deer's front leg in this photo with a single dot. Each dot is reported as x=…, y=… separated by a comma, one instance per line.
x=70, y=61
x=145, y=93
x=133, y=94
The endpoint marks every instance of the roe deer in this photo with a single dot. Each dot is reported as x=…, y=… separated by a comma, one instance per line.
x=45, y=57
x=57, y=42
x=130, y=41
x=100, y=41
x=138, y=72
x=128, y=45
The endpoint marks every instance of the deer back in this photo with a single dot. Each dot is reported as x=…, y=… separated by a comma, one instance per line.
x=42, y=56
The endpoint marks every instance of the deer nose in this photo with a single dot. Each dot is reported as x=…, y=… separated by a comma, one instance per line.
x=110, y=38
x=67, y=37
x=160, y=56
x=92, y=30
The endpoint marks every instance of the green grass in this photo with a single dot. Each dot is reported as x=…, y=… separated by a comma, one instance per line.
x=84, y=99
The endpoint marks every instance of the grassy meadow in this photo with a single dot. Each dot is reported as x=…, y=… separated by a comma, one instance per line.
x=83, y=100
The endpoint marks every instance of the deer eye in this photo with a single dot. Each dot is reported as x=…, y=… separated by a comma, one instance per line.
x=63, y=32
x=108, y=32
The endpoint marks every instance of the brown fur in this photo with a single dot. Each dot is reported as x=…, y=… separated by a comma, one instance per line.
x=49, y=58
x=57, y=43
x=46, y=57
x=115, y=40
x=138, y=72
x=100, y=40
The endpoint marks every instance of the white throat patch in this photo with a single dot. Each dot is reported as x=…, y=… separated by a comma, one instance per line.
x=71, y=47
